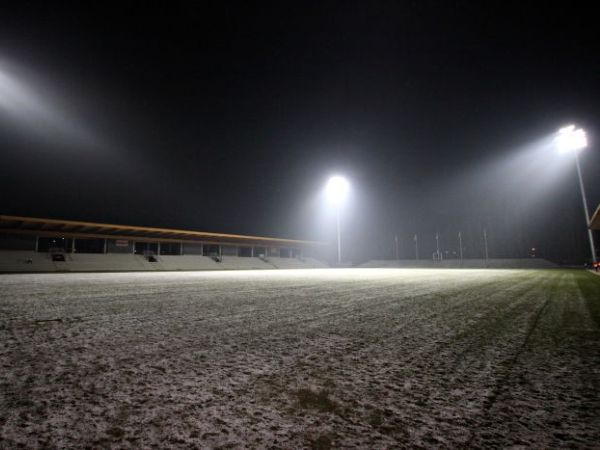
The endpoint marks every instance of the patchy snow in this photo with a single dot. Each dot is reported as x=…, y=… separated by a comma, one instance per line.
x=347, y=358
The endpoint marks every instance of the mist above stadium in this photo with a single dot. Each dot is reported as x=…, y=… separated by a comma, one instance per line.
x=231, y=118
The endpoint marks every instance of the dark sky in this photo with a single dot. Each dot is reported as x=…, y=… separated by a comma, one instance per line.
x=229, y=116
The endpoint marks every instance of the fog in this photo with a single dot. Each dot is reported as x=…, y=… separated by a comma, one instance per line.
x=38, y=110
x=235, y=124
x=525, y=198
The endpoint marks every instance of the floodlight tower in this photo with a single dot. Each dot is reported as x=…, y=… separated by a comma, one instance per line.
x=572, y=140
x=337, y=190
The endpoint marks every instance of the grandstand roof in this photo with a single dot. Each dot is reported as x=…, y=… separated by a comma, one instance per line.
x=595, y=222
x=77, y=229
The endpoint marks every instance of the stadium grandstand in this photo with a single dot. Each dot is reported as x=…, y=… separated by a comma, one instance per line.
x=30, y=244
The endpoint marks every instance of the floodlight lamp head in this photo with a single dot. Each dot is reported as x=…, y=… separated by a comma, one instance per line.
x=337, y=189
x=570, y=139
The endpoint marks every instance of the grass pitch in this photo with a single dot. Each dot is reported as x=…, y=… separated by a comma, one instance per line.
x=349, y=358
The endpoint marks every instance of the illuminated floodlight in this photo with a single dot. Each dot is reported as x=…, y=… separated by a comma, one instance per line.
x=337, y=189
x=570, y=139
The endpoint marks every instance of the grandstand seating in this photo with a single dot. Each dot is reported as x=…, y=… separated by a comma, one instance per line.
x=30, y=261
x=103, y=262
x=240, y=262
x=185, y=262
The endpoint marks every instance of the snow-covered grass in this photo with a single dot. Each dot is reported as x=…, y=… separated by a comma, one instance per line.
x=348, y=358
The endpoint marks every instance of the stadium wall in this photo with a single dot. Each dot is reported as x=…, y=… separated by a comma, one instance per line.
x=495, y=263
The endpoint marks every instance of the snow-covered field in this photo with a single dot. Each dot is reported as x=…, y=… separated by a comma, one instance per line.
x=348, y=358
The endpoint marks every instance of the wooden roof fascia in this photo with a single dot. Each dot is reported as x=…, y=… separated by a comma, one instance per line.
x=149, y=230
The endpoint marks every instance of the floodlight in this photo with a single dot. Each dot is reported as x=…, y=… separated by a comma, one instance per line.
x=570, y=139
x=337, y=189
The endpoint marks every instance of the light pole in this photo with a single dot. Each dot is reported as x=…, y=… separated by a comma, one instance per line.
x=571, y=140
x=486, y=246
x=416, y=239
x=337, y=190
x=460, y=248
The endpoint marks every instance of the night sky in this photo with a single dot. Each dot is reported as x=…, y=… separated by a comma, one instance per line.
x=230, y=117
